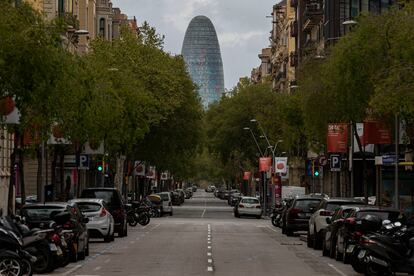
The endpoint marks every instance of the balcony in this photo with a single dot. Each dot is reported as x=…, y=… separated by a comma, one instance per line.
x=313, y=14
x=294, y=28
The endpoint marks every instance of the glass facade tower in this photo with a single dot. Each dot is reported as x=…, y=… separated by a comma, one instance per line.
x=201, y=52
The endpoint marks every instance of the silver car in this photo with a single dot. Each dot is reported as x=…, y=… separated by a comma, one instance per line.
x=101, y=223
x=249, y=206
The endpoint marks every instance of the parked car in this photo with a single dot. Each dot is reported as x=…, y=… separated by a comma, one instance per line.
x=334, y=223
x=40, y=215
x=188, y=193
x=234, y=199
x=182, y=195
x=115, y=204
x=248, y=206
x=341, y=245
x=317, y=222
x=101, y=223
x=166, y=203
x=175, y=198
x=210, y=189
x=298, y=214
x=231, y=192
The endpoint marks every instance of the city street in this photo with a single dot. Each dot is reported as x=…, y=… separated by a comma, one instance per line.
x=204, y=238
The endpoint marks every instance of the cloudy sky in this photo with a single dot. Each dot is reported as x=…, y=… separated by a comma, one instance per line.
x=241, y=25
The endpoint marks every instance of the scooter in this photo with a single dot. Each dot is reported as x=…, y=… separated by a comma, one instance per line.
x=14, y=261
x=276, y=216
x=388, y=253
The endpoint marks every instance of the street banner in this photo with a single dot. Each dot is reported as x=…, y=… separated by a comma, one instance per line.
x=164, y=176
x=281, y=165
x=337, y=137
x=377, y=133
x=151, y=172
x=139, y=168
x=247, y=176
x=265, y=163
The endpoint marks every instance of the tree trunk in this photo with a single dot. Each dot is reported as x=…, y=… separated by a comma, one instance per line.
x=39, y=174
x=12, y=182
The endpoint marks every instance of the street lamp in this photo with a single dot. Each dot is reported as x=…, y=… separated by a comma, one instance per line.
x=349, y=22
x=255, y=140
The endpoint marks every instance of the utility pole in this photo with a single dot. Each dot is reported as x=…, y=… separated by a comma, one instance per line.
x=396, y=181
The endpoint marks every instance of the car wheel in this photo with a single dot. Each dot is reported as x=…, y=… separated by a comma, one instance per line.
x=289, y=232
x=338, y=255
x=259, y=216
x=73, y=253
x=237, y=215
x=325, y=252
x=113, y=236
x=108, y=238
x=309, y=240
x=283, y=228
x=317, y=240
x=332, y=249
x=82, y=255
x=345, y=258
x=171, y=213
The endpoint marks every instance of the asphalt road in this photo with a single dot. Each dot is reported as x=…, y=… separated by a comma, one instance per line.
x=204, y=238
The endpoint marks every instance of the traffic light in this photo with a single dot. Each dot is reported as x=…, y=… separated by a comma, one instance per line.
x=315, y=169
x=100, y=167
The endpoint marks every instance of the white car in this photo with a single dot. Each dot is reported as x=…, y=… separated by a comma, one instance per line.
x=318, y=223
x=101, y=223
x=166, y=203
x=249, y=206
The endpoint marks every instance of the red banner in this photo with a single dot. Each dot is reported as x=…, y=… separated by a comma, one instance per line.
x=265, y=163
x=247, y=175
x=376, y=133
x=337, y=138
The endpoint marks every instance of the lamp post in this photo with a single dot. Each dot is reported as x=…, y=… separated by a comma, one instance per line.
x=255, y=140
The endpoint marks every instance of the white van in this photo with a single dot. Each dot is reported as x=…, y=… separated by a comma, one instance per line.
x=166, y=203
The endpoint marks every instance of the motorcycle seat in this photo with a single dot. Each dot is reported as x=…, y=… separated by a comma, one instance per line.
x=31, y=232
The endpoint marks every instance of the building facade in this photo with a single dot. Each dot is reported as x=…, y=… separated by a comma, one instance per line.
x=201, y=52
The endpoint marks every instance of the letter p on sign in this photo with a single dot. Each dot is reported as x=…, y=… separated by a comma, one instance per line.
x=336, y=163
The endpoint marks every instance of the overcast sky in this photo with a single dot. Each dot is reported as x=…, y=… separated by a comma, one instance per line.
x=241, y=25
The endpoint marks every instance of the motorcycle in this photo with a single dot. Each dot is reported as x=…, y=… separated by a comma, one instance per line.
x=276, y=216
x=14, y=260
x=386, y=252
x=138, y=213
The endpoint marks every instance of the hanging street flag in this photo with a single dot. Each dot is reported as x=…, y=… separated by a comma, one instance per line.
x=247, y=175
x=151, y=174
x=281, y=165
x=376, y=133
x=265, y=163
x=139, y=168
x=337, y=138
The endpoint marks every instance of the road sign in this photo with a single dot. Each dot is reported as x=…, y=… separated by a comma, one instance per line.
x=322, y=160
x=70, y=161
x=336, y=163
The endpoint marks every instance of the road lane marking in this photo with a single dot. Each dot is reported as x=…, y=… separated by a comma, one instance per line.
x=202, y=215
x=208, y=253
x=336, y=269
x=209, y=247
x=107, y=261
x=97, y=268
x=69, y=272
x=210, y=261
x=131, y=242
x=209, y=268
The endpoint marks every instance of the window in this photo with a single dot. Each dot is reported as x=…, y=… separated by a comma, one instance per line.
x=364, y=5
x=374, y=6
x=354, y=8
x=384, y=5
x=102, y=27
x=61, y=7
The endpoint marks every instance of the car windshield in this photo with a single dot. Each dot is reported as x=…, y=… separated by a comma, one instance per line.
x=384, y=215
x=306, y=204
x=87, y=207
x=164, y=197
x=250, y=201
x=110, y=197
x=332, y=206
x=41, y=212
